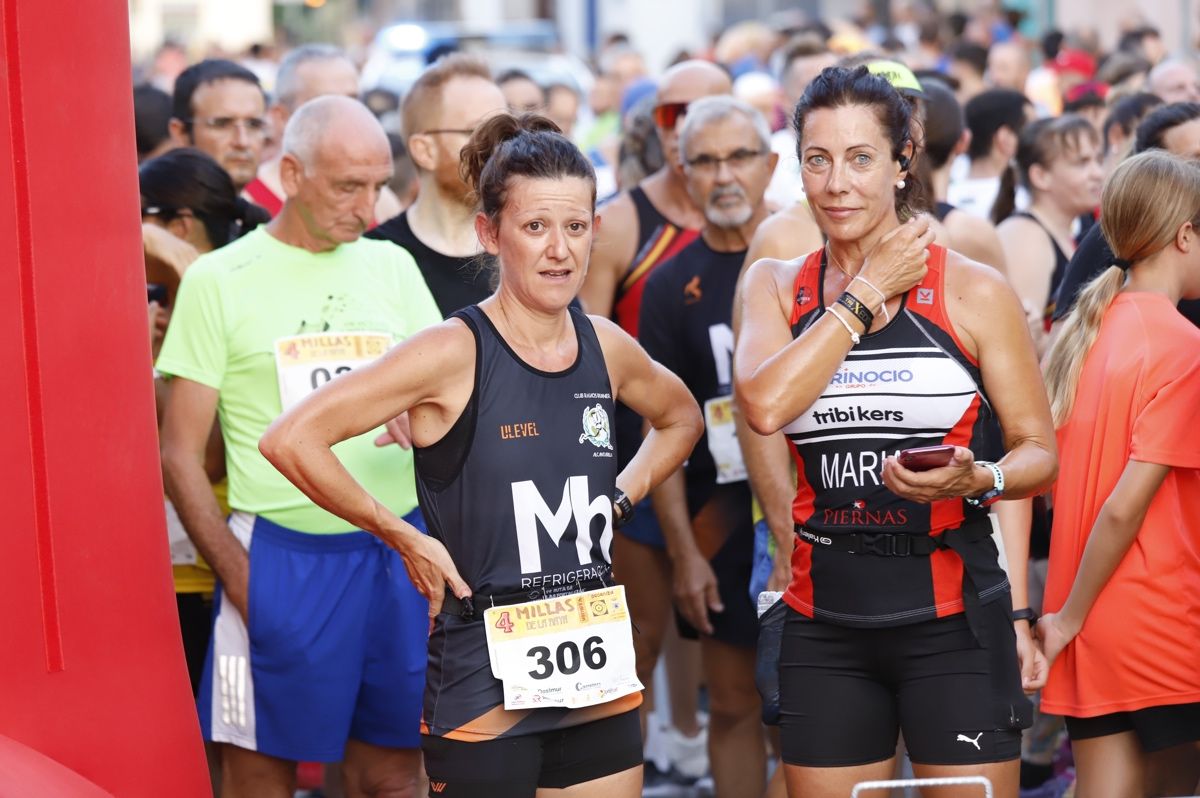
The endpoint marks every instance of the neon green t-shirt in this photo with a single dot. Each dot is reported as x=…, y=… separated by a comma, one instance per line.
x=243, y=310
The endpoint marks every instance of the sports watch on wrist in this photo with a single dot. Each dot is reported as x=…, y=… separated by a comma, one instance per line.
x=1026, y=614
x=993, y=495
x=622, y=509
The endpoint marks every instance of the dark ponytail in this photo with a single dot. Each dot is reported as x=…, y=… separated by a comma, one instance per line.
x=507, y=146
x=1006, y=197
x=247, y=216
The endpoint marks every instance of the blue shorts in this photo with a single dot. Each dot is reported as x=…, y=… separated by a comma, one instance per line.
x=764, y=559
x=336, y=647
x=643, y=527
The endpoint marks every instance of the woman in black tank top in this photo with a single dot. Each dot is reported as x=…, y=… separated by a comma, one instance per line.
x=510, y=404
x=1058, y=162
x=897, y=616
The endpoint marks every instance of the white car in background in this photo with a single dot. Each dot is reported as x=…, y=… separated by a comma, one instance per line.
x=400, y=52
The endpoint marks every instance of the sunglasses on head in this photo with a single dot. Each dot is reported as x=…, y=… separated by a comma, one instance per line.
x=667, y=114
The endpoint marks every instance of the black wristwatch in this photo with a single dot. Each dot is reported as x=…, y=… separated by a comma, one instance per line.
x=1026, y=614
x=622, y=509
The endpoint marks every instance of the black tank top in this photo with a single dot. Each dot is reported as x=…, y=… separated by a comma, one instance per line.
x=1060, y=268
x=942, y=209
x=659, y=240
x=519, y=491
x=907, y=385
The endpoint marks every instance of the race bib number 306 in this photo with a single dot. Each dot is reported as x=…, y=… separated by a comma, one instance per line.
x=572, y=651
x=304, y=363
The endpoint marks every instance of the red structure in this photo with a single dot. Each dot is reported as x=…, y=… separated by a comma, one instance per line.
x=94, y=698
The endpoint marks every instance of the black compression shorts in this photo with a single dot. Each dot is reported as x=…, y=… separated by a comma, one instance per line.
x=846, y=692
x=732, y=564
x=515, y=767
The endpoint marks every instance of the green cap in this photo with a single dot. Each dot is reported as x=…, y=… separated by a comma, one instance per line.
x=897, y=74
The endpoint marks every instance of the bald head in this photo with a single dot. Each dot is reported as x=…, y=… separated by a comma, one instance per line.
x=334, y=126
x=691, y=80
x=336, y=160
x=1175, y=81
x=680, y=85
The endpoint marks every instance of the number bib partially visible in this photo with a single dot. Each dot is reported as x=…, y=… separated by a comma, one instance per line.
x=722, y=440
x=572, y=651
x=304, y=363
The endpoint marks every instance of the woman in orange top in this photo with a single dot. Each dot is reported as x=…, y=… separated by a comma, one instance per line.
x=1123, y=591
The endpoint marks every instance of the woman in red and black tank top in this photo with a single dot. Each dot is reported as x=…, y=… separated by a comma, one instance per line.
x=897, y=612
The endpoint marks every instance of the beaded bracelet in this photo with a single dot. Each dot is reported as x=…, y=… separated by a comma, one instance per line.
x=861, y=312
x=853, y=335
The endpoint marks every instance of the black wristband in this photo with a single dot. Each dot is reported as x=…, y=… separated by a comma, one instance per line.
x=860, y=311
x=1026, y=614
x=621, y=502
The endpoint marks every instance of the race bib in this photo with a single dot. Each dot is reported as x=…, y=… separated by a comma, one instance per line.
x=722, y=440
x=303, y=363
x=572, y=651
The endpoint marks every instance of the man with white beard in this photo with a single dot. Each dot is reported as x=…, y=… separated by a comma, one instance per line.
x=705, y=508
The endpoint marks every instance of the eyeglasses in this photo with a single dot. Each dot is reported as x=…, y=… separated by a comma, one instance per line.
x=667, y=114
x=738, y=159
x=252, y=125
x=462, y=131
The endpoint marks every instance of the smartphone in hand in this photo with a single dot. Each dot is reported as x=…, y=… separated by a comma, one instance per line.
x=926, y=457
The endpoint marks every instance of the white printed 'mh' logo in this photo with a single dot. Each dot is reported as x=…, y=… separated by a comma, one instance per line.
x=529, y=508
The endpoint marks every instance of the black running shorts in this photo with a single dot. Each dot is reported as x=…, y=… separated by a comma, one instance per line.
x=846, y=692
x=515, y=767
x=1156, y=728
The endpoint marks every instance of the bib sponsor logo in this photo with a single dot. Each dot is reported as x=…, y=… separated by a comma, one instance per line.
x=576, y=507
x=924, y=296
x=847, y=377
x=838, y=415
x=596, y=429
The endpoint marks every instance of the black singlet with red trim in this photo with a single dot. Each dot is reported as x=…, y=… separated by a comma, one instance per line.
x=907, y=385
x=519, y=490
x=659, y=240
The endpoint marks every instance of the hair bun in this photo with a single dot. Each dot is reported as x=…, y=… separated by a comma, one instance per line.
x=491, y=134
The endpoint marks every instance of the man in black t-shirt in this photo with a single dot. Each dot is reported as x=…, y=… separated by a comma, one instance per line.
x=705, y=508
x=439, y=114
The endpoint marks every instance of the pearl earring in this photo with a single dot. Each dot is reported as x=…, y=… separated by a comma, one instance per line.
x=900, y=183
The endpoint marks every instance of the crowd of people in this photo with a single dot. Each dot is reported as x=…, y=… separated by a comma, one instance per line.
x=844, y=377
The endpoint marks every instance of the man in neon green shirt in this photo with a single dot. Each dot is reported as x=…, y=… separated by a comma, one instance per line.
x=318, y=645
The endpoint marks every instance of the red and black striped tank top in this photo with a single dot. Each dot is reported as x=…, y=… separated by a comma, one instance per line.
x=659, y=240
x=909, y=384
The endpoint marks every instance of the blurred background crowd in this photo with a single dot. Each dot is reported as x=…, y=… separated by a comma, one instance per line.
x=1028, y=105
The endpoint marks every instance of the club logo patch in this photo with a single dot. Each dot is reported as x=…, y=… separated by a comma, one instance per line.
x=595, y=427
